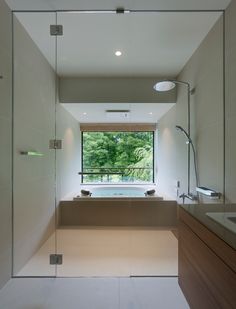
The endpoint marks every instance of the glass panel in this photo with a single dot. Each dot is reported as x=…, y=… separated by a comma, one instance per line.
x=107, y=66
x=34, y=127
x=67, y=159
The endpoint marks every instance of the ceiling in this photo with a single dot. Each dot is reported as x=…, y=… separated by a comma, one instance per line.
x=112, y=4
x=139, y=113
x=153, y=44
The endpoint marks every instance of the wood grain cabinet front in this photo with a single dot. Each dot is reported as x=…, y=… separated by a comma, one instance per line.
x=205, y=277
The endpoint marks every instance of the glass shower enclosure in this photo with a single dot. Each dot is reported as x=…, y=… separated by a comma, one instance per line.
x=59, y=60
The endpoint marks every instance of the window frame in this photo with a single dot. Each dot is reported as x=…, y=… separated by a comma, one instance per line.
x=126, y=183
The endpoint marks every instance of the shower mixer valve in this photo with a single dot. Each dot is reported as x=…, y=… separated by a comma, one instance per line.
x=190, y=196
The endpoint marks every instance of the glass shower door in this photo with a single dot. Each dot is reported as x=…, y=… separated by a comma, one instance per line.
x=68, y=156
x=34, y=95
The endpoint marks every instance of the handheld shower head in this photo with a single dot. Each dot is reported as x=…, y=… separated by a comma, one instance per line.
x=179, y=128
x=189, y=141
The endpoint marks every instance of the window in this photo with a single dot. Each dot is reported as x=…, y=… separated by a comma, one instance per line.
x=117, y=157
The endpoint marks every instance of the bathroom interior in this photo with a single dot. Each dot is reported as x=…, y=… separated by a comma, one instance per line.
x=168, y=79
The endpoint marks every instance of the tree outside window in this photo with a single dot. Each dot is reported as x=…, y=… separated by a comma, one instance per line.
x=117, y=157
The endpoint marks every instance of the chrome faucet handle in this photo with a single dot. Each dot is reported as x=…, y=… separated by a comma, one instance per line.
x=190, y=196
x=183, y=196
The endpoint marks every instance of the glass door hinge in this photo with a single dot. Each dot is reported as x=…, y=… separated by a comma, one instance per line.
x=55, y=144
x=56, y=29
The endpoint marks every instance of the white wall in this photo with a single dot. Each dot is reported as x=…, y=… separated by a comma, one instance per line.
x=5, y=143
x=204, y=71
x=34, y=126
x=112, y=90
x=166, y=155
x=69, y=157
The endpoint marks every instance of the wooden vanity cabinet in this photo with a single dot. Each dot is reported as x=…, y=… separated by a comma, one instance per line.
x=207, y=266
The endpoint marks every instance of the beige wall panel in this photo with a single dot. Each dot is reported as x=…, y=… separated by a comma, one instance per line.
x=5, y=142
x=34, y=126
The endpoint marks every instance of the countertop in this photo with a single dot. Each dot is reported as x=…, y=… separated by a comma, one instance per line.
x=218, y=218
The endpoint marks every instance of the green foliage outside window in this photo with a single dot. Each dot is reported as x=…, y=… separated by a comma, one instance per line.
x=118, y=156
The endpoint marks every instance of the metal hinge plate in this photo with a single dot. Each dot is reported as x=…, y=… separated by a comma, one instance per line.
x=56, y=29
x=55, y=144
x=56, y=259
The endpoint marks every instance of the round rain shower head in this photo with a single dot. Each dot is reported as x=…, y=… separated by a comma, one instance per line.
x=164, y=85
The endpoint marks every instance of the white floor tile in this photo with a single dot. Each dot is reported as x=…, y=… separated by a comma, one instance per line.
x=92, y=293
x=163, y=293
x=111, y=252
x=25, y=293
x=85, y=293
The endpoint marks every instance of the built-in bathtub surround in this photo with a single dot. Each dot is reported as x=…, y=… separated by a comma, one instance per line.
x=147, y=211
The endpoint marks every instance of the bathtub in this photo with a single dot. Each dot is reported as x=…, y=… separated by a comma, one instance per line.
x=118, y=191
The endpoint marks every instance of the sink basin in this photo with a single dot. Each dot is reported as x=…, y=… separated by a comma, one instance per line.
x=226, y=219
x=233, y=219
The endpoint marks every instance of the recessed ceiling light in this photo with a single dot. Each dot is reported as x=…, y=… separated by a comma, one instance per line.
x=150, y=113
x=84, y=113
x=118, y=53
